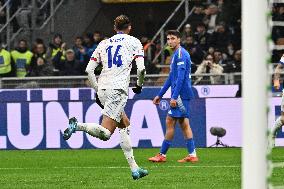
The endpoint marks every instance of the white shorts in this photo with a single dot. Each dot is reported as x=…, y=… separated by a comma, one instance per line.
x=114, y=101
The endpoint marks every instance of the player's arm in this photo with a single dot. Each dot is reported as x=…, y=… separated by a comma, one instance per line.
x=165, y=87
x=141, y=71
x=277, y=72
x=90, y=70
x=163, y=90
x=180, y=78
x=93, y=63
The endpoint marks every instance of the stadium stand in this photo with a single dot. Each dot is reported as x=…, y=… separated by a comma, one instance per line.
x=210, y=28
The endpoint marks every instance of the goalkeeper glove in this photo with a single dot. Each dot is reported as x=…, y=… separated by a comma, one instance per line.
x=137, y=89
x=99, y=102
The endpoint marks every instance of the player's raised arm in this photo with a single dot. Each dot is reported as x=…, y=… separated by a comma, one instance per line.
x=277, y=72
x=141, y=71
x=93, y=63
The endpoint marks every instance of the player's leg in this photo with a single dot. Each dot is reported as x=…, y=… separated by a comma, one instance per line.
x=277, y=125
x=170, y=131
x=126, y=146
x=187, y=133
x=111, y=116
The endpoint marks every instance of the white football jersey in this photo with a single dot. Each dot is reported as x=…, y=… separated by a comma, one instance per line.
x=116, y=55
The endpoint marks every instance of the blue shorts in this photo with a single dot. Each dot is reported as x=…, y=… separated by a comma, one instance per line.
x=181, y=110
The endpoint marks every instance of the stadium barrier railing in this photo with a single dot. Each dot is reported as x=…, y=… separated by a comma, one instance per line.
x=82, y=81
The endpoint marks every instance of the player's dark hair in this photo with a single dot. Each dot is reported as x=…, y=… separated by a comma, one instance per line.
x=173, y=32
x=121, y=22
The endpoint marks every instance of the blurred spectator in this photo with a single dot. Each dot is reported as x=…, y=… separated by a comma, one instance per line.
x=36, y=42
x=187, y=32
x=196, y=17
x=211, y=51
x=88, y=42
x=212, y=17
x=168, y=52
x=209, y=66
x=278, y=35
x=42, y=68
x=97, y=36
x=278, y=15
x=230, y=51
x=236, y=64
x=69, y=66
x=39, y=51
x=81, y=54
x=22, y=58
x=56, y=49
x=220, y=38
x=5, y=63
x=196, y=53
x=202, y=37
x=218, y=58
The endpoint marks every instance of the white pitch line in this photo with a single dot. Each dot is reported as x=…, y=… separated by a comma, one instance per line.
x=122, y=167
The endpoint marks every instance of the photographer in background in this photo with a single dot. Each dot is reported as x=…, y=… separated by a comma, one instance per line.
x=209, y=66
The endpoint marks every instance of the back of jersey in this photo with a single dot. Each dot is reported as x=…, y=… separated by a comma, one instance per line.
x=116, y=55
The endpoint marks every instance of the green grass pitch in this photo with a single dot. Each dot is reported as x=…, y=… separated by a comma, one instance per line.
x=94, y=168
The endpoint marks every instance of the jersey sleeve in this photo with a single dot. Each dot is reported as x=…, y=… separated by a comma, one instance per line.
x=96, y=56
x=138, y=49
x=181, y=67
x=180, y=60
x=93, y=63
x=166, y=86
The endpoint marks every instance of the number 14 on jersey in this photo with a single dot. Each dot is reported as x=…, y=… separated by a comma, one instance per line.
x=114, y=59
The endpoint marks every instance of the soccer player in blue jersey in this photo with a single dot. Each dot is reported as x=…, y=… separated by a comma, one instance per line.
x=179, y=80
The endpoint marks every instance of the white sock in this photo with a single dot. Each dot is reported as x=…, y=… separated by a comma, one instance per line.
x=193, y=153
x=126, y=146
x=277, y=125
x=271, y=139
x=94, y=130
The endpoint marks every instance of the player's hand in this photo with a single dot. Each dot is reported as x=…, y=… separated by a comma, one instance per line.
x=156, y=100
x=173, y=103
x=276, y=84
x=137, y=89
x=99, y=102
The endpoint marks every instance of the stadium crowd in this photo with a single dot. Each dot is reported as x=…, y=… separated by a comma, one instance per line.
x=212, y=36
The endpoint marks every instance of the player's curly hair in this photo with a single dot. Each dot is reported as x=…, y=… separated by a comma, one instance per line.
x=121, y=22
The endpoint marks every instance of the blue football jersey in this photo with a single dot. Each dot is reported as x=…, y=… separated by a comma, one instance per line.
x=180, y=76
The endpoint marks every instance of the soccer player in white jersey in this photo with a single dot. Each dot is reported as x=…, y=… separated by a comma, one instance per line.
x=280, y=120
x=116, y=55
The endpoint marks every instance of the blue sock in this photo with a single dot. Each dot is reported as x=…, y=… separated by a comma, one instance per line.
x=165, y=146
x=190, y=145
